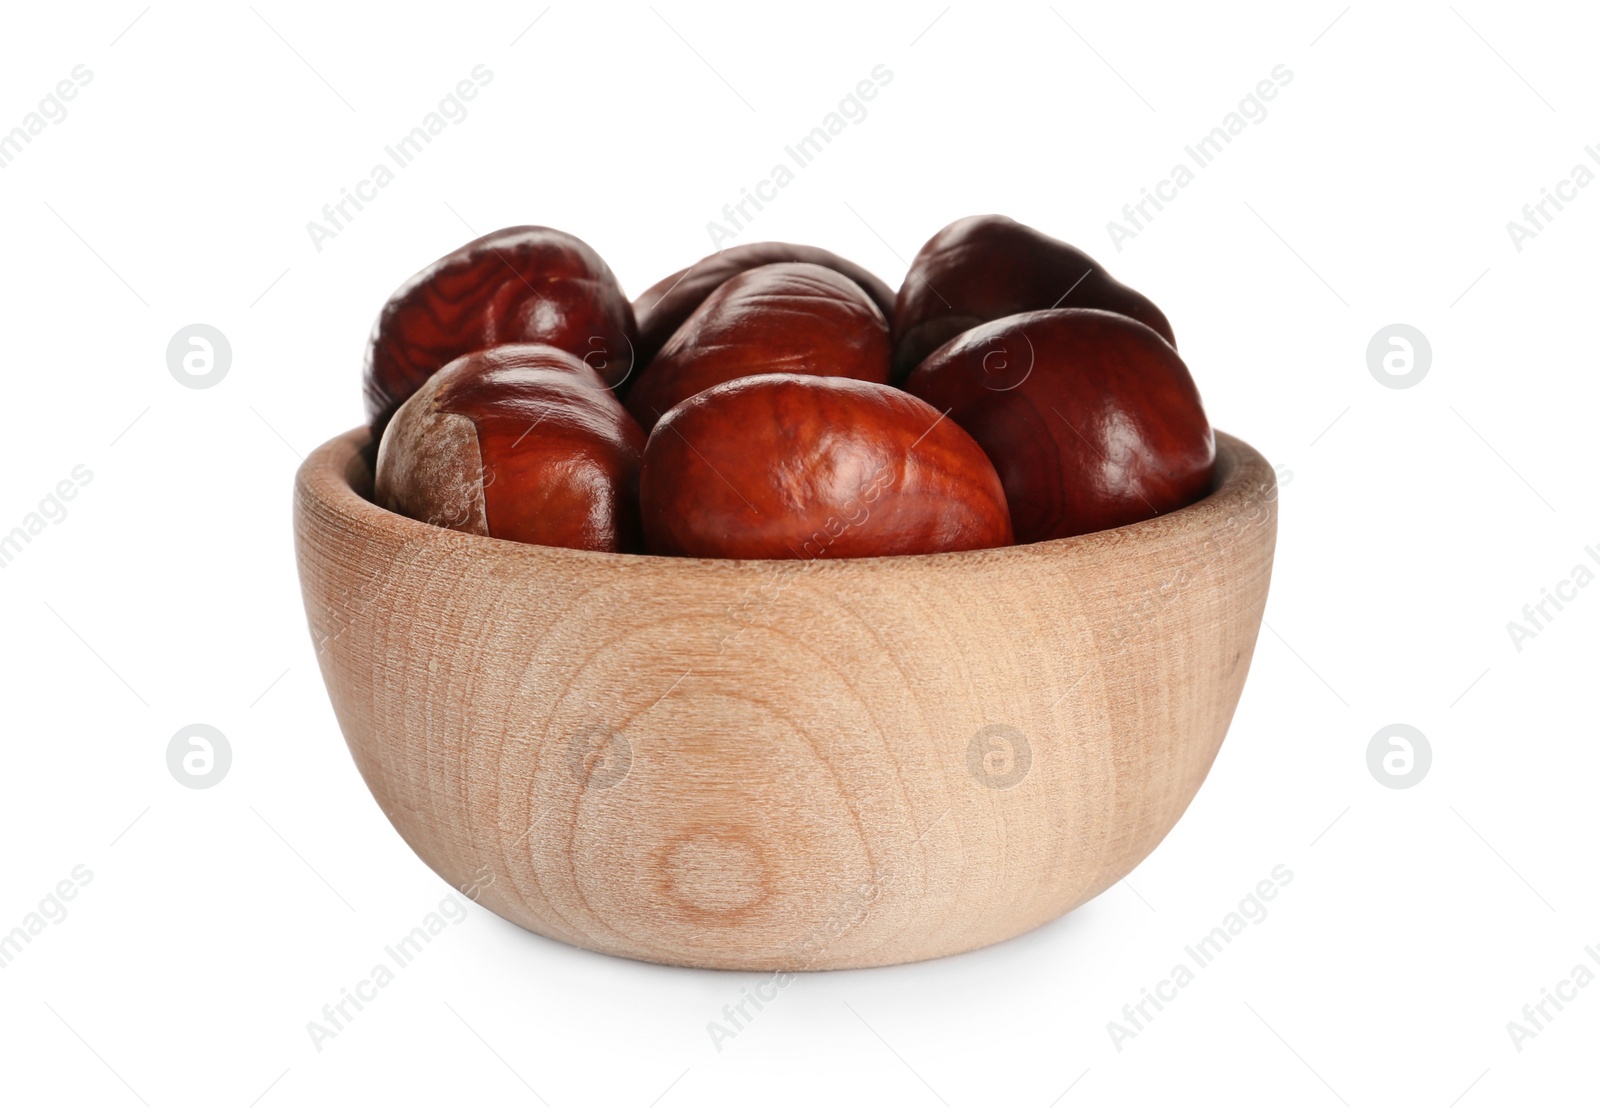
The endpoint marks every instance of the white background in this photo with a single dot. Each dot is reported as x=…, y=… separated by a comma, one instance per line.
x=1416, y=525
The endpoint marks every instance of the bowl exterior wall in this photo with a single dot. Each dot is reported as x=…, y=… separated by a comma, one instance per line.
x=792, y=765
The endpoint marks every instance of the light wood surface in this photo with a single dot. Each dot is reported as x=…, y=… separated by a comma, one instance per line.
x=767, y=765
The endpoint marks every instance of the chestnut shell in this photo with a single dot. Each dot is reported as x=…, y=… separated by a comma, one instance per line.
x=521, y=284
x=521, y=441
x=797, y=318
x=664, y=307
x=1091, y=418
x=981, y=268
x=797, y=466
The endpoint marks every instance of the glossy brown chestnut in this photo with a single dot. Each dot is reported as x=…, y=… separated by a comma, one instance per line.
x=797, y=466
x=982, y=268
x=522, y=441
x=524, y=284
x=797, y=318
x=1091, y=418
x=668, y=304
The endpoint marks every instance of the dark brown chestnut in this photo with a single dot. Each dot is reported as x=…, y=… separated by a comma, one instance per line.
x=521, y=441
x=982, y=268
x=523, y=284
x=1091, y=418
x=794, y=318
x=668, y=304
x=798, y=466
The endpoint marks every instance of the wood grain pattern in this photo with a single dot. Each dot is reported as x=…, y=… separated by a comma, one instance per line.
x=796, y=765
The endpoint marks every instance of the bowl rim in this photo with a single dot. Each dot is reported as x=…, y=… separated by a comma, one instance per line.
x=334, y=472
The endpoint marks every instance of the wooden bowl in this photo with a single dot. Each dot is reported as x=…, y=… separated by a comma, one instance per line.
x=797, y=765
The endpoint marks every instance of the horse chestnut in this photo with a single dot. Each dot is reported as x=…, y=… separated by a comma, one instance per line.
x=521, y=284
x=981, y=268
x=668, y=304
x=1091, y=419
x=801, y=466
x=780, y=317
x=522, y=441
